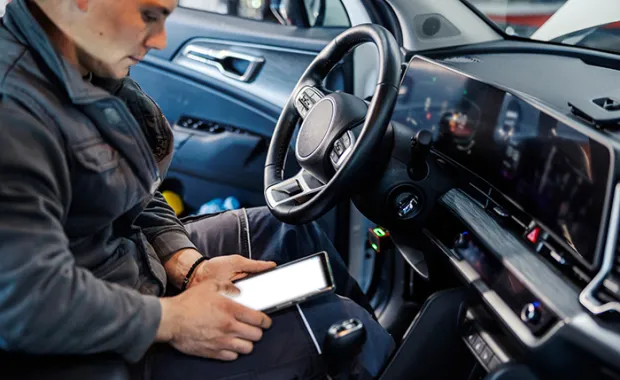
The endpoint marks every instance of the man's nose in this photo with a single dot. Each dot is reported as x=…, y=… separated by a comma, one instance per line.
x=157, y=40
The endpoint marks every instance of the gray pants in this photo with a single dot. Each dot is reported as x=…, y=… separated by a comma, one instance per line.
x=292, y=348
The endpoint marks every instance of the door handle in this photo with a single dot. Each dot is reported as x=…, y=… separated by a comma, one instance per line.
x=232, y=64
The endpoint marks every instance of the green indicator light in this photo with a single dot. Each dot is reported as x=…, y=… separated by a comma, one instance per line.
x=375, y=247
x=379, y=232
x=434, y=79
x=464, y=92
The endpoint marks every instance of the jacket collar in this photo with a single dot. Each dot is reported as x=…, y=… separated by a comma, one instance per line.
x=21, y=23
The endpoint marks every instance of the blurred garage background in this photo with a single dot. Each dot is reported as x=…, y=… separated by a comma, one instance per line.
x=516, y=17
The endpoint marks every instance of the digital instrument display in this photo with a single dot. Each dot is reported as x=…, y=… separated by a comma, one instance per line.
x=286, y=285
x=552, y=171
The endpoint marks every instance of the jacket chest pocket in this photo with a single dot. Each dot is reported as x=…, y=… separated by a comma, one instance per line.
x=103, y=186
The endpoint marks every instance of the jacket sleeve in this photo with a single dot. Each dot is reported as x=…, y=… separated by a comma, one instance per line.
x=163, y=229
x=50, y=305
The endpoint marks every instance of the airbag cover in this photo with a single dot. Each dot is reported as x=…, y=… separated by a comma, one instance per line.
x=315, y=127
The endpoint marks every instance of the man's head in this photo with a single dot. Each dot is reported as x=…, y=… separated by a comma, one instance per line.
x=109, y=35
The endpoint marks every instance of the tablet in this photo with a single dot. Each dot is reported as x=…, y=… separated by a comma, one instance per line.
x=286, y=285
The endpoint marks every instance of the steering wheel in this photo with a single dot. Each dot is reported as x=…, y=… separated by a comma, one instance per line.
x=339, y=134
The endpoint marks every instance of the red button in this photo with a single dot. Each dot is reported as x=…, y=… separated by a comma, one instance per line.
x=533, y=235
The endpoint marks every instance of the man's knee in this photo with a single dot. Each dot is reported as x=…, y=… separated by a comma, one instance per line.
x=292, y=241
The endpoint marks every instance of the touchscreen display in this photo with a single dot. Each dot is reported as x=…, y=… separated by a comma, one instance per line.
x=555, y=173
x=284, y=284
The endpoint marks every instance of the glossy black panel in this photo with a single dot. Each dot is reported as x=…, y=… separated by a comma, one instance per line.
x=553, y=171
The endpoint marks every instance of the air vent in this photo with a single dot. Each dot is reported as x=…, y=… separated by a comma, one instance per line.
x=461, y=59
x=608, y=104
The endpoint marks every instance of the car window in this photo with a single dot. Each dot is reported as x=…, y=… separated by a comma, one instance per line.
x=303, y=13
x=3, y=4
x=328, y=13
x=593, y=24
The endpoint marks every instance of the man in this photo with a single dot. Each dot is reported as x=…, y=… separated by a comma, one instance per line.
x=89, y=247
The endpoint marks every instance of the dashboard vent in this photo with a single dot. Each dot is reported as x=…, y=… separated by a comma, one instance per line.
x=608, y=104
x=461, y=59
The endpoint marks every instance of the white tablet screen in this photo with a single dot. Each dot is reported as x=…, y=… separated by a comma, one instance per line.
x=282, y=285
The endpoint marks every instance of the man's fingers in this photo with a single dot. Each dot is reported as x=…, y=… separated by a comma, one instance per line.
x=238, y=345
x=224, y=355
x=251, y=266
x=251, y=317
x=247, y=332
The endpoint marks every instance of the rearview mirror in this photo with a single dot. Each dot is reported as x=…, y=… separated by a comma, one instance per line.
x=310, y=13
x=291, y=12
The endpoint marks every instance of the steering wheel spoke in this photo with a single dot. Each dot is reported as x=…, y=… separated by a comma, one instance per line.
x=295, y=190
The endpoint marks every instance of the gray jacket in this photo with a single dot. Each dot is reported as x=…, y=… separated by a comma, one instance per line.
x=83, y=233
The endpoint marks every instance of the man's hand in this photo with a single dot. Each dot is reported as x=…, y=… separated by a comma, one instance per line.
x=203, y=322
x=224, y=268
x=228, y=268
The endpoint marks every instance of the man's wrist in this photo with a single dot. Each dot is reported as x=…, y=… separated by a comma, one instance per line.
x=192, y=271
x=179, y=265
x=167, y=324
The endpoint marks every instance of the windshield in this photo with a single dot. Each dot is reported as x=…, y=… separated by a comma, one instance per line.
x=593, y=24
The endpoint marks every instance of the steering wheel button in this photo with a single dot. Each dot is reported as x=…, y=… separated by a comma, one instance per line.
x=338, y=148
x=334, y=157
x=346, y=140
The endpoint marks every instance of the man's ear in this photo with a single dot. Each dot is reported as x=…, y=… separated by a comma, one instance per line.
x=82, y=5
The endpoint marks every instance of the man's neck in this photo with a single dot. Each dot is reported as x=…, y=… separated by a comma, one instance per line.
x=61, y=42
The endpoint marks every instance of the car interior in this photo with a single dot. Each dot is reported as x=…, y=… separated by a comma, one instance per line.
x=465, y=172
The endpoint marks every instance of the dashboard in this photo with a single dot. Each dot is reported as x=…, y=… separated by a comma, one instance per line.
x=530, y=217
x=552, y=169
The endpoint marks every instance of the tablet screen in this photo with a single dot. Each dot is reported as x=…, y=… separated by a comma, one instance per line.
x=283, y=285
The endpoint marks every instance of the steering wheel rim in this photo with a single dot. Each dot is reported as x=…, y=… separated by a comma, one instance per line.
x=321, y=199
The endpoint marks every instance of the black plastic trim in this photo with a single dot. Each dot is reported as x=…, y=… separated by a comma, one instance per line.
x=609, y=144
x=432, y=341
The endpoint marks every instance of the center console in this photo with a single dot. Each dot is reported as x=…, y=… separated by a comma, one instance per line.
x=530, y=225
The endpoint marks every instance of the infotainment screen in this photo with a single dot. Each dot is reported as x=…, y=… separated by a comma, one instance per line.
x=552, y=171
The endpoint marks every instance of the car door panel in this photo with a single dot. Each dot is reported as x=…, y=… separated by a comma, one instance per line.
x=272, y=82
x=215, y=162
x=184, y=24
x=179, y=95
x=224, y=162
